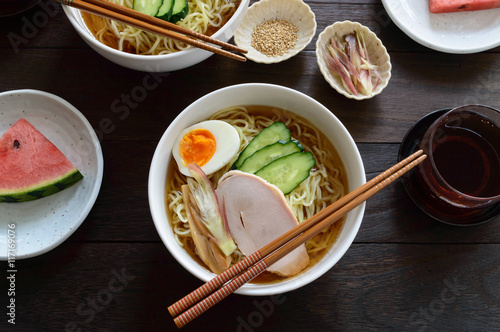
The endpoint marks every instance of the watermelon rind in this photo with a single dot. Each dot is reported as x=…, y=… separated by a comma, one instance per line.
x=40, y=190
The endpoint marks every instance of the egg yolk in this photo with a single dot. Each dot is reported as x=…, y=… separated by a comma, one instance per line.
x=197, y=146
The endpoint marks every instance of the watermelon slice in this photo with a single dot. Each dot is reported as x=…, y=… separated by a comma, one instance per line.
x=31, y=167
x=448, y=6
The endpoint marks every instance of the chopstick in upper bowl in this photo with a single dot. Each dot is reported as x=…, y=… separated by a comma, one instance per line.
x=257, y=262
x=155, y=25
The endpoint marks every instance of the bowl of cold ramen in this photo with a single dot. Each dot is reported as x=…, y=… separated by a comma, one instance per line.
x=135, y=49
x=244, y=163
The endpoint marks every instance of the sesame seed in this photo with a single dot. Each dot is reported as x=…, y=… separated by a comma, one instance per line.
x=274, y=37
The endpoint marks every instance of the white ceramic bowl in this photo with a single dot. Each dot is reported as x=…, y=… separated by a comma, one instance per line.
x=293, y=11
x=155, y=63
x=376, y=50
x=257, y=94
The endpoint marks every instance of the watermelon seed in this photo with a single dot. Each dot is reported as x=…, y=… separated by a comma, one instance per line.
x=16, y=144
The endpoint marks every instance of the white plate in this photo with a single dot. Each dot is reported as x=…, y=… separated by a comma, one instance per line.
x=463, y=32
x=43, y=224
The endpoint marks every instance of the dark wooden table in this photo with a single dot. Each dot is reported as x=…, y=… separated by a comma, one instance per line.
x=404, y=271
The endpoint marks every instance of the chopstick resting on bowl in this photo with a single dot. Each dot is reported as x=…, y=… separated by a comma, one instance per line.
x=155, y=25
x=233, y=278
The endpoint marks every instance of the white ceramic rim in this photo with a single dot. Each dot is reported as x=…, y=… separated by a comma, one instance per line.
x=415, y=20
x=89, y=37
x=157, y=178
x=85, y=207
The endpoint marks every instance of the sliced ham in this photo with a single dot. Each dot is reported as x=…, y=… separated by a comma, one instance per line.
x=257, y=213
x=448, y=6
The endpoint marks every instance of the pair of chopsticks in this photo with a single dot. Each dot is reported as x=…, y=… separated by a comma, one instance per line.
x=211, y=293
x=155, y=25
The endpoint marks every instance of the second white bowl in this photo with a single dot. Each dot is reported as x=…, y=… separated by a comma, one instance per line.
x=155, y=63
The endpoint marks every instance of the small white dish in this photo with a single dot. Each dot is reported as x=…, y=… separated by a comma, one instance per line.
x=292, y=11
x=459, y=33
x=376, y=50
x=43, y=224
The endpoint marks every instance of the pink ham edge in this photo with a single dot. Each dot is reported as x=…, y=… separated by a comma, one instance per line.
x=257, y=214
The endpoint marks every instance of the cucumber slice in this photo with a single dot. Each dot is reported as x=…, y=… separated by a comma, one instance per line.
x=270, y=135
x=288, y=172
x=165, y=10
x=179, y=10
x=149, y=7
x=267, y=155
x=298, y=144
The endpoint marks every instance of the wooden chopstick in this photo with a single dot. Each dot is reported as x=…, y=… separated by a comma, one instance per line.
x=257, y=262
x=164, y=24
x=155, y=25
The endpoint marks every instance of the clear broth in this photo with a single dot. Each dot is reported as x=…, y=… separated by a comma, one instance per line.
x=96, y=23
x=333, y=231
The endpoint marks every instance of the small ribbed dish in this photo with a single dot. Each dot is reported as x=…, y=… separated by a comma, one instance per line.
x=376, y=50
x=292, y=11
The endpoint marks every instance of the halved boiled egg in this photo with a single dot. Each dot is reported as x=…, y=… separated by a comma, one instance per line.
x=210, y=144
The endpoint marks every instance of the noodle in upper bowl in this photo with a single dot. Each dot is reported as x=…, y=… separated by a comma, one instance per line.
x=326, y=184
x=205, y=16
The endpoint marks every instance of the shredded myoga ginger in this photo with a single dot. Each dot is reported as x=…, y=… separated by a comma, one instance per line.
x=349, y=59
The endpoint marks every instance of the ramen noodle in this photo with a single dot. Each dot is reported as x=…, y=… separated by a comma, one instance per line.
x=326, y=184
x=205, y=16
